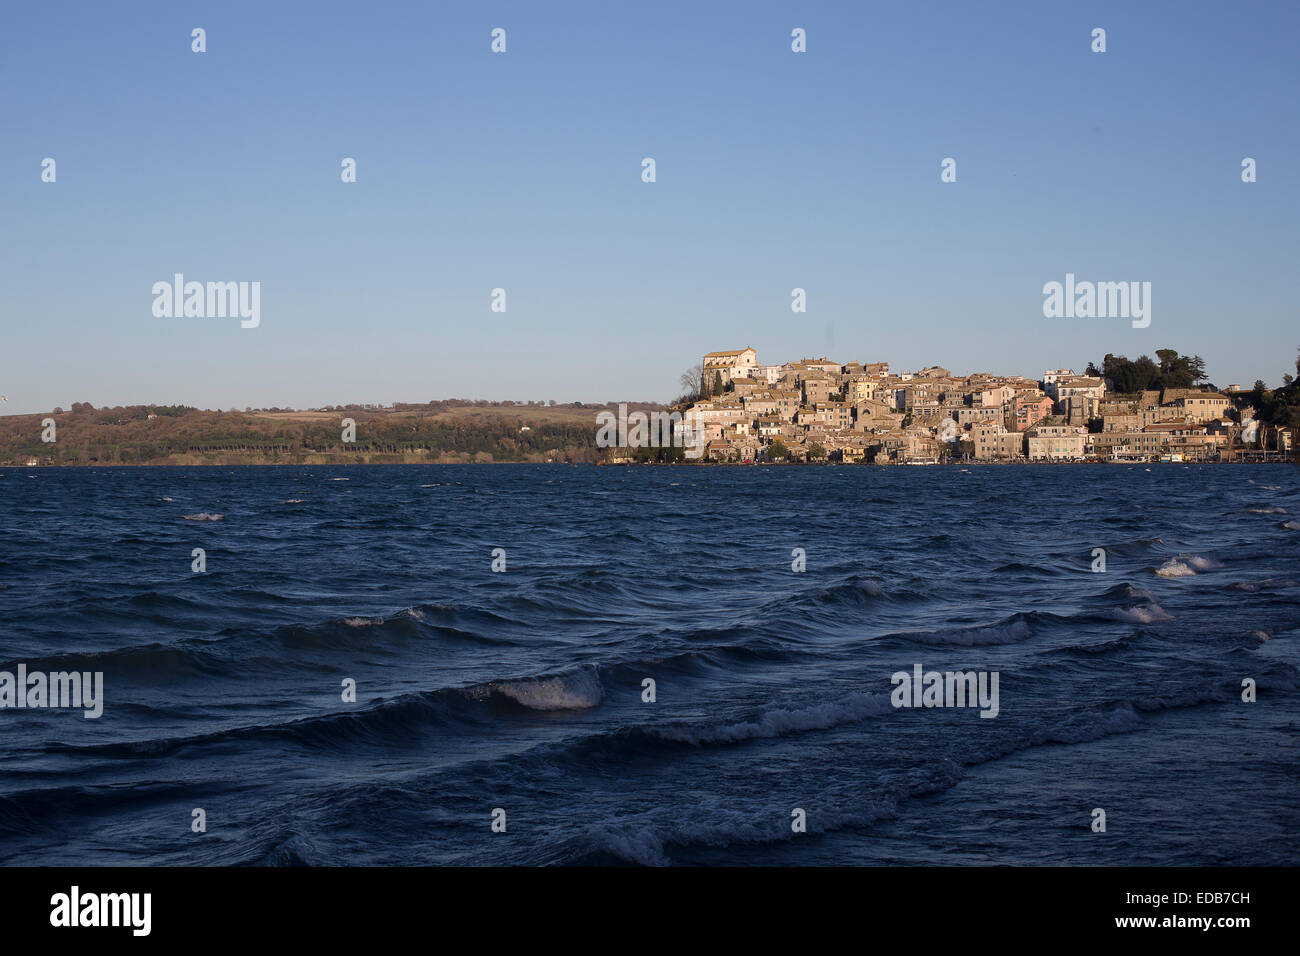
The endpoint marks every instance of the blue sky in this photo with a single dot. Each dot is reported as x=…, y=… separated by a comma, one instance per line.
x=775, y=170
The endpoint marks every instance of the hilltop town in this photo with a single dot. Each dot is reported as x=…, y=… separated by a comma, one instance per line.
x=819, y=409
x=734, y=410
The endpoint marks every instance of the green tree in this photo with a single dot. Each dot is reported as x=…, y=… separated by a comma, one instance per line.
x=1179, y=371
x=816, y=451
x=1141, y=374
x=1278, y=406
x=777, y=450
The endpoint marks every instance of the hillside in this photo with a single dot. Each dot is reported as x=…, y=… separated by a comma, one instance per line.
x=443, y=432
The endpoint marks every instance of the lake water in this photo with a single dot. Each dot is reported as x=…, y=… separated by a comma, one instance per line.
x=523, y=690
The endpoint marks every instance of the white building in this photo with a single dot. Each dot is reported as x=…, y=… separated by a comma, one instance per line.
x=734, y=363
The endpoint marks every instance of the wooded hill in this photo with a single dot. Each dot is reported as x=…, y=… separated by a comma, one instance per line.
x=443, y=432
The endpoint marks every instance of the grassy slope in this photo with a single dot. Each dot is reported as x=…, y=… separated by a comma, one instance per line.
x=440, y=432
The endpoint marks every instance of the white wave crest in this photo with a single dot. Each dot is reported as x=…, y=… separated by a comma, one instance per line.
x=776, y=723
x=1142, y=613
x=1007, y=633
x=1118, y=721
x=1186, y=565
x=576, y=691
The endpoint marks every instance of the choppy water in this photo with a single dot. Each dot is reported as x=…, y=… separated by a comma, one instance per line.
x=523, y=690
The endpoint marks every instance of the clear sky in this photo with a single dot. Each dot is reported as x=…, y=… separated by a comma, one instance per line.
x=522, y=170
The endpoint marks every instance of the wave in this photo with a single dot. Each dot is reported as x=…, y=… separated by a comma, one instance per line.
x=1121, y=593
x=1185, y=566
x=652, y=837
x=203, y=516
x=853, y=591
x=1100, y=647
x=653, y=843
x=1265, y=583
x=1141, y=614
x=379, y=725
x=236, y=651
x=580, y=690
x=1019, y=567
x=291, y=850
x=1014, y=629
x=384, y=722
x=154, y=661
x=38, y=810
x=823, y=715
x=1135, y=546
x=1132, y=605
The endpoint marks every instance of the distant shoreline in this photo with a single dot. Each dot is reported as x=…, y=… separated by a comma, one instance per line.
x=69, y=466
